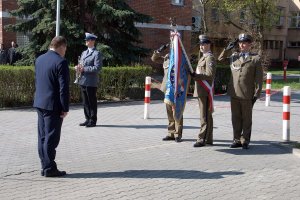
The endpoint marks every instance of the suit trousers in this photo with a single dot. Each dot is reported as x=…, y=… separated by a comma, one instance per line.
x=49, y=129
x=206, y=121
x=241, y=116
x=89, y=100
x=174, y=127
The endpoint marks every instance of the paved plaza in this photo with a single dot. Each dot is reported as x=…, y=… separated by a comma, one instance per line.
x=125, y=158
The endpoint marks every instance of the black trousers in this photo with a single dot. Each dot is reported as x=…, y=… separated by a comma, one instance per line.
x=89, y=101
x=49, y=129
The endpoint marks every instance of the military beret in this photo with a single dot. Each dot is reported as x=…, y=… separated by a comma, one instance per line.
x=90, y=36
x=204, y=39
x=245, y=37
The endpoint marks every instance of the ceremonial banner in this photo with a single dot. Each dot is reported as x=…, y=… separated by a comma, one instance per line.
x=178, y=78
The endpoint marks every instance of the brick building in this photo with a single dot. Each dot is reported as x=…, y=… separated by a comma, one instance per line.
x=157, y=32
x=5, y=19
x=282, y=42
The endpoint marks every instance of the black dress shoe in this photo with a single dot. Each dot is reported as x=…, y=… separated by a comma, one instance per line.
x=199, y=144
x=167, y=138
x=245, y=146
x=178, y=139
x=84, y=123
x=235, y=145
x=54, y=173
x=89, y=125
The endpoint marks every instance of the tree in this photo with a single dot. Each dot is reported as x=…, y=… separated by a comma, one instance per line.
x=257, y=16
x=113, y=21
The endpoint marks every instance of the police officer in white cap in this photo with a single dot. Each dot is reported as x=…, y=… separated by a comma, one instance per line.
x=89, y=66
x=244, y=87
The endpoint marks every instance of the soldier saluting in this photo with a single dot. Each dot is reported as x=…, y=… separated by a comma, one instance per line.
x=174, y=127
x=244, y=88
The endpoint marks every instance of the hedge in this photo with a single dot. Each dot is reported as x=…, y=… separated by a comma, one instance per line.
x=17, y=84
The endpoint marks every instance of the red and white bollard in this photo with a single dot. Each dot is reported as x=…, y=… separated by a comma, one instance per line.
x=268, y=88
x=147, y=96
x=286, y=113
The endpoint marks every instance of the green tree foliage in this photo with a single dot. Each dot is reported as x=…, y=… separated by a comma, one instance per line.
x=258, y=15
x=111, y=20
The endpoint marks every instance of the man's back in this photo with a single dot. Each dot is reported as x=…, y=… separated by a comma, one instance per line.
x=52, y=82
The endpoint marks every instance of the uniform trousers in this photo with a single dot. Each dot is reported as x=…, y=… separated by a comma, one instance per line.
x=49, y=129
x=89, y=101
x=174, y=127
x=206, y=121
x=241, y=116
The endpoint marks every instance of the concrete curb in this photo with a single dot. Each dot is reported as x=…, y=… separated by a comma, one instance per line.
x=289, y=147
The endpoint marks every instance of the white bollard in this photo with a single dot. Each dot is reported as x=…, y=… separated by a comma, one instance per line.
x=268, y=88
x=286, y=113
x=147, y=96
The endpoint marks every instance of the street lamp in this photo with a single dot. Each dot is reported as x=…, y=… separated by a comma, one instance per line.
x=57, y=17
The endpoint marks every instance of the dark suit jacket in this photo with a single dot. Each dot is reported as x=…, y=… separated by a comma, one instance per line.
x=52, y=82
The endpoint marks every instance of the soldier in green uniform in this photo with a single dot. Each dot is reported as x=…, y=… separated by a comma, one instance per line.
x=205, y=74
x=244, y=88
x=174, y=128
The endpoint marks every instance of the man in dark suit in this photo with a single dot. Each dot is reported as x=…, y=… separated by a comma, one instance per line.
x=12, y=54
x=3, y=55
x=89, y=67
x=52, y=102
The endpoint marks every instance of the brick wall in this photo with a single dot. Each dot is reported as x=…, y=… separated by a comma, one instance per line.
x=5, y=36
x=161, y=11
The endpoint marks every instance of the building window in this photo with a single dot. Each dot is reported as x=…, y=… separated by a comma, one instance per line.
x=214, y=14
x=294, y=44
x=280, y=17
x=22, y=40
x=177, y=2
x=265, y=44
x=295, y=20
x=276, y=44
x=271, y=44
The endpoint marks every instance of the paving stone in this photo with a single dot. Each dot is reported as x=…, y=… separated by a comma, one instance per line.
x=125, y=158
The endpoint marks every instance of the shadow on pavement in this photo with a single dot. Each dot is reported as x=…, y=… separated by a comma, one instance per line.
x=258, y=148
x=144, y=126
x=171, y=174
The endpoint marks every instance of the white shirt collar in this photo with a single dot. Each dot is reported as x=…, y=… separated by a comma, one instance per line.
x=90, y=49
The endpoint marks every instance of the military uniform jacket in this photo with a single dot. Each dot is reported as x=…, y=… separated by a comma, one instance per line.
x=92, y=62
x=247, y=76
x=206, y=70
x=156, y=57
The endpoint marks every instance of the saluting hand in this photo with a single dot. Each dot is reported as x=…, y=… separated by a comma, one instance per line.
x=232, y=44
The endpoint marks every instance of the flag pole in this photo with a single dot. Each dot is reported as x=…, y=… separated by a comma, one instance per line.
x=57, y=17
x=187, y=58
x=173, y=26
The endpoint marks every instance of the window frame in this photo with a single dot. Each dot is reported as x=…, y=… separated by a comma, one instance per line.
x=179, y=3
